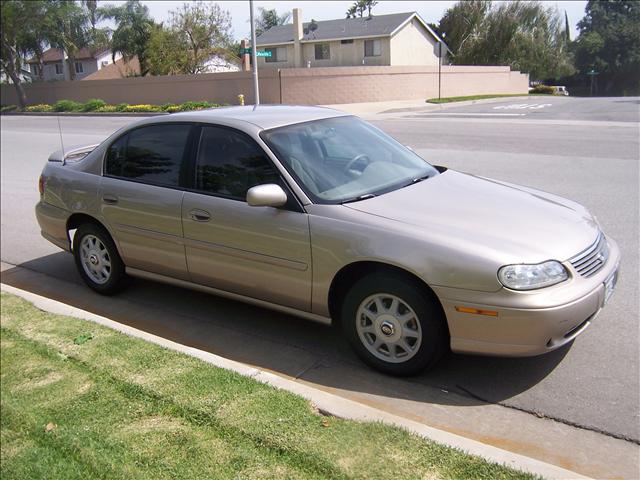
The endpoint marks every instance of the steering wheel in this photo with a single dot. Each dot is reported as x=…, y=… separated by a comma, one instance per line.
x=355, y=160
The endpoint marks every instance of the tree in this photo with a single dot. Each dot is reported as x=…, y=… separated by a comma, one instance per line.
x=68, y=29
x=20, y=39
x=524, y=35
x=132, y=33
x=268, y=18
x=609, y=42
x=359, y=7
x=351, y=12
x=197, y=31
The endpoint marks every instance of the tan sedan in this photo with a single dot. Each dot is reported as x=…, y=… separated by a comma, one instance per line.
x=317, y=213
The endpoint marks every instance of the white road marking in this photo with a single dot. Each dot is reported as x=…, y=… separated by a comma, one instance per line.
x=479, y=114
x=523, y=106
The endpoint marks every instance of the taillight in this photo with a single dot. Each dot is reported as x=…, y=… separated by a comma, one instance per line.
x=41, y=184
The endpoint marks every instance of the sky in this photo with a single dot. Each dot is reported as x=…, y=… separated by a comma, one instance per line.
x=430, y=11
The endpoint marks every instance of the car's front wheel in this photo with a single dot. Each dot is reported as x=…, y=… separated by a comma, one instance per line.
x=97, y=259
x=393, y=324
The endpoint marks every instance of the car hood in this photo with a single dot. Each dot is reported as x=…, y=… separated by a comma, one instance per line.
x=518, y=224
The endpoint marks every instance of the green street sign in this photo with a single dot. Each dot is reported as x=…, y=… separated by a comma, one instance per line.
x=264, y=53
x=592, y=72
x=246, y=51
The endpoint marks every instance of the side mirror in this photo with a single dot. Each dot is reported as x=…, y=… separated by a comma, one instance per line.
x=268, y=195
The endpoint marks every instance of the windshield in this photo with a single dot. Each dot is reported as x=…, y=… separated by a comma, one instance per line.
x=344, y=159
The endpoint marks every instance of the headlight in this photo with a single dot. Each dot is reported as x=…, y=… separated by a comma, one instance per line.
x=529, y=277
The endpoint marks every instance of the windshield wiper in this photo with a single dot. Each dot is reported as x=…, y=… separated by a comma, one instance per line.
x=415, y=180
x=358, y=198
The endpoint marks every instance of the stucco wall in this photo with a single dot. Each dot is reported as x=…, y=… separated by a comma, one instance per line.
x=214, y=87
x=414, y=45
x=308, y=86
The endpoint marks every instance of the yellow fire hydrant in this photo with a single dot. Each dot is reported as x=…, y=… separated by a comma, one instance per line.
x=241, y=99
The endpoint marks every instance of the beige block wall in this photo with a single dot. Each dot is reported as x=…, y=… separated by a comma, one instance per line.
x=414, y=45
x=214, y=87
x=376, y=84
x=304, y=86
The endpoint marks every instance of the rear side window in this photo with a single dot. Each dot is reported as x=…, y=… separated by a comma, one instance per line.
x=150, y=154
x=230, y=163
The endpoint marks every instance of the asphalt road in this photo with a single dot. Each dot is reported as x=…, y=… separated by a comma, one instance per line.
x=584, y=149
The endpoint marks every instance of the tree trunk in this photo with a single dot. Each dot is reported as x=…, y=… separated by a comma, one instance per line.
x=71, y=61
x=22, y=96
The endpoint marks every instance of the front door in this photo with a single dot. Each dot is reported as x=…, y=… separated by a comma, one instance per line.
x=260, y=252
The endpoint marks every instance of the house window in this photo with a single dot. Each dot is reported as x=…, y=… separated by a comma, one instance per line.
x=59, y=69
x=79, y=67
x=372, y=48
x=36, y=69
x=345, y=42
x=104, y=63
x=322, y=51
x=278, y=54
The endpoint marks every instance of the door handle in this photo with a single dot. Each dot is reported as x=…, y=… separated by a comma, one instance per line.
x=200, y=215
x=110, y=199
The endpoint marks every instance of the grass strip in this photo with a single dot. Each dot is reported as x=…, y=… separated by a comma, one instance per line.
x=118, y=407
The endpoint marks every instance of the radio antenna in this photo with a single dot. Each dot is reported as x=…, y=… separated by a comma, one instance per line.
x=61, y=142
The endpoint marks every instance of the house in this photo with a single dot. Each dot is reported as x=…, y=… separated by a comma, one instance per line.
x=131, y=68
x=394, y=39
x=86, y=62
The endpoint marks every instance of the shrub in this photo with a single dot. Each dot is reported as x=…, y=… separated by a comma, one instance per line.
x=170, y=108
x=142, y=108
x=187, y=106
x=41, y=107
x=93, y=105
x=121, y=107
x=67, y=106
x=544, y=89
x=107, y=108
x=8, y=108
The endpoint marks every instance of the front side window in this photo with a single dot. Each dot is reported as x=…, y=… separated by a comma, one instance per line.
x=79, y=67
x=342, y=159
x=372, y=48
x=59, y=69
x=230, y=163
x=149, y=154
x=322, y=51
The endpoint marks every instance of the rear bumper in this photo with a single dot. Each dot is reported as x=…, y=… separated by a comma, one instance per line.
x=53, y=224
x=531, y=328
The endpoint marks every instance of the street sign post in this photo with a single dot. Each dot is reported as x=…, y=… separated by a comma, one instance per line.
x=592, y=73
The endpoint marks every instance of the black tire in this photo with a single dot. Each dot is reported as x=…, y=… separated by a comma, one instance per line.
x=428, y=312
x=117, y=278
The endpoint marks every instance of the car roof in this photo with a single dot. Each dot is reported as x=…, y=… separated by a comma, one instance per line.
x=262, y=116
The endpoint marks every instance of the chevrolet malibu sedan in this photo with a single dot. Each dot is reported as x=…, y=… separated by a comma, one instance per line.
x=317, y=213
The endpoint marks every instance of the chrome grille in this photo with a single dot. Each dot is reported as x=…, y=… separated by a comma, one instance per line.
x=588, y=262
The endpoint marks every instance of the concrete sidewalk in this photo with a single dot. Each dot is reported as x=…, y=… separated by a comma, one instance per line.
x=205, y=323
x=371, y=109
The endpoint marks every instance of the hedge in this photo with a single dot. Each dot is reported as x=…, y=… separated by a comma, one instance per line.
x=97, y=105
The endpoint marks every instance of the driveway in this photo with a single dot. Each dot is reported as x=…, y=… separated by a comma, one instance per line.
x=585, y=149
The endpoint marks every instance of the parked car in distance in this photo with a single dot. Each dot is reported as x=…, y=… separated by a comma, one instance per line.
x=560, y=90
x=317, y=213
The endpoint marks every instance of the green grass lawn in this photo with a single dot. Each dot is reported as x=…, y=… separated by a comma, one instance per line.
x=83, y=401
x=476, y=97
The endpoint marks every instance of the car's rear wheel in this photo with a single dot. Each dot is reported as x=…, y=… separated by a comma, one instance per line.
x=394, y=325
x=97, y=259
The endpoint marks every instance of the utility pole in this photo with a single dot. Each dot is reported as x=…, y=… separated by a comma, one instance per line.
x=439, y=68
x=254, y=57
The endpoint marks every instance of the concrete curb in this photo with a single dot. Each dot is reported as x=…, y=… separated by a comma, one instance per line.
x=327, y=402
x=444, y=106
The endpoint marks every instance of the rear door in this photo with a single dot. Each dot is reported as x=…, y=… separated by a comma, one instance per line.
x=260, y=252
x=141, y=196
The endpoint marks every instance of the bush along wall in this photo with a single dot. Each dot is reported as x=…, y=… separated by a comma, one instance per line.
x=97, y=105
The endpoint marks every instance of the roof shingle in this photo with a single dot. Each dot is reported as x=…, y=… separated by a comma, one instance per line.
x=377, y=25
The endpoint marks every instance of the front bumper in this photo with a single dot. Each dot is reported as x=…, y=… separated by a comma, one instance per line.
x=527, y=323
